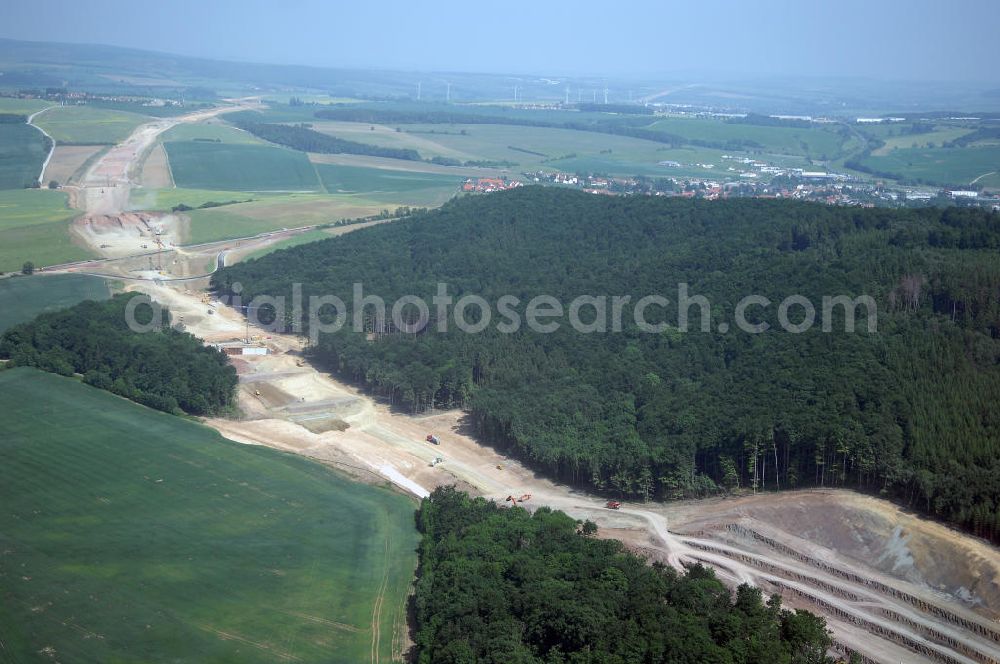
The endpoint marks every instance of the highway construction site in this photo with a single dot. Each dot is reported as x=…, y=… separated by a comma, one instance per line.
x=894, y=587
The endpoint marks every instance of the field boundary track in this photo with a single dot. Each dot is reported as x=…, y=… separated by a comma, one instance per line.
x=52, y=141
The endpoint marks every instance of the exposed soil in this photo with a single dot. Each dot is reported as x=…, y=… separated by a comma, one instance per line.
x=66, y=161
x=156, y=169
x=130, y=233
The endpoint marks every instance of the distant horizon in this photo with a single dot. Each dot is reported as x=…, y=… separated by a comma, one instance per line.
x=710, y=76
x=722, y=41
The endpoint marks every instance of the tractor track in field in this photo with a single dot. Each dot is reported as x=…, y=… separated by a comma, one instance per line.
x=263, y=647
x=377, y=606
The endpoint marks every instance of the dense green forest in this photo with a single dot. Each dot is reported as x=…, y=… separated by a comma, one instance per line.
x=908, y=410
x=504, y=586
x=168, y=370
x=304, y=139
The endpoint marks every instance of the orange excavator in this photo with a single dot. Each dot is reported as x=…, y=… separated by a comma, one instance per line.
x=525, y=497
x=511, y=499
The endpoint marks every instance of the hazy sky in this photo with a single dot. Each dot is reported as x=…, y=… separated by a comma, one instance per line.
x=901, y=39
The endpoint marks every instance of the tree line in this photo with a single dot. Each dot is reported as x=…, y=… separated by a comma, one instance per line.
x=907, y=411
x=299, y=137
x=504, y=585
x=167, y=369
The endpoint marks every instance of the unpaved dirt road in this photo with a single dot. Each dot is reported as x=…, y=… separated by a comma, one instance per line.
x=893, y=587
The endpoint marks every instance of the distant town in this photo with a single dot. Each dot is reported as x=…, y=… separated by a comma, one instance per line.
x=828, y=188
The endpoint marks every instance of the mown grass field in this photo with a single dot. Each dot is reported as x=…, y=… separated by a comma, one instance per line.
x=235, y=167
x=813, y=141
x=22, y=152
x=500, y=142
x=940, y=166
x=294, y=241
x=130, y=535
x=89, y=125
x=260, y=212
x=23, y=298
x=22, y=106
x=277, y=212
x=34, y=226
x=210, y=131
x=935, y=138
x=554, y=149
x=390, y=185
x=165, y=199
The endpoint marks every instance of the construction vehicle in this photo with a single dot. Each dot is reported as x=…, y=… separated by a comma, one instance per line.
x=432, y=439
x=499, y=466
x=613, y=504
x=511, y=499
x=524, y=497
x=436, y=461
x=256, y=393
x=299, y=363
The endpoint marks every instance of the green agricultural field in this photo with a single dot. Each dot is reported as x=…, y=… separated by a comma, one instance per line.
x=294, y=241
x=274, y=213
x=935, y=138
x=22, y=152
x=210, y=131
x=534, y=148
x=939, y=166
x=285, y=113
x=817, y=142
x=23, y=298
x=424, y=189
x=89, y=125
x=129, y=535
x=413, y=137
x=34, y=226
x=235, y=167
x=530, y=148
x=265, y=212
x=165, y=199
x=22, y=106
